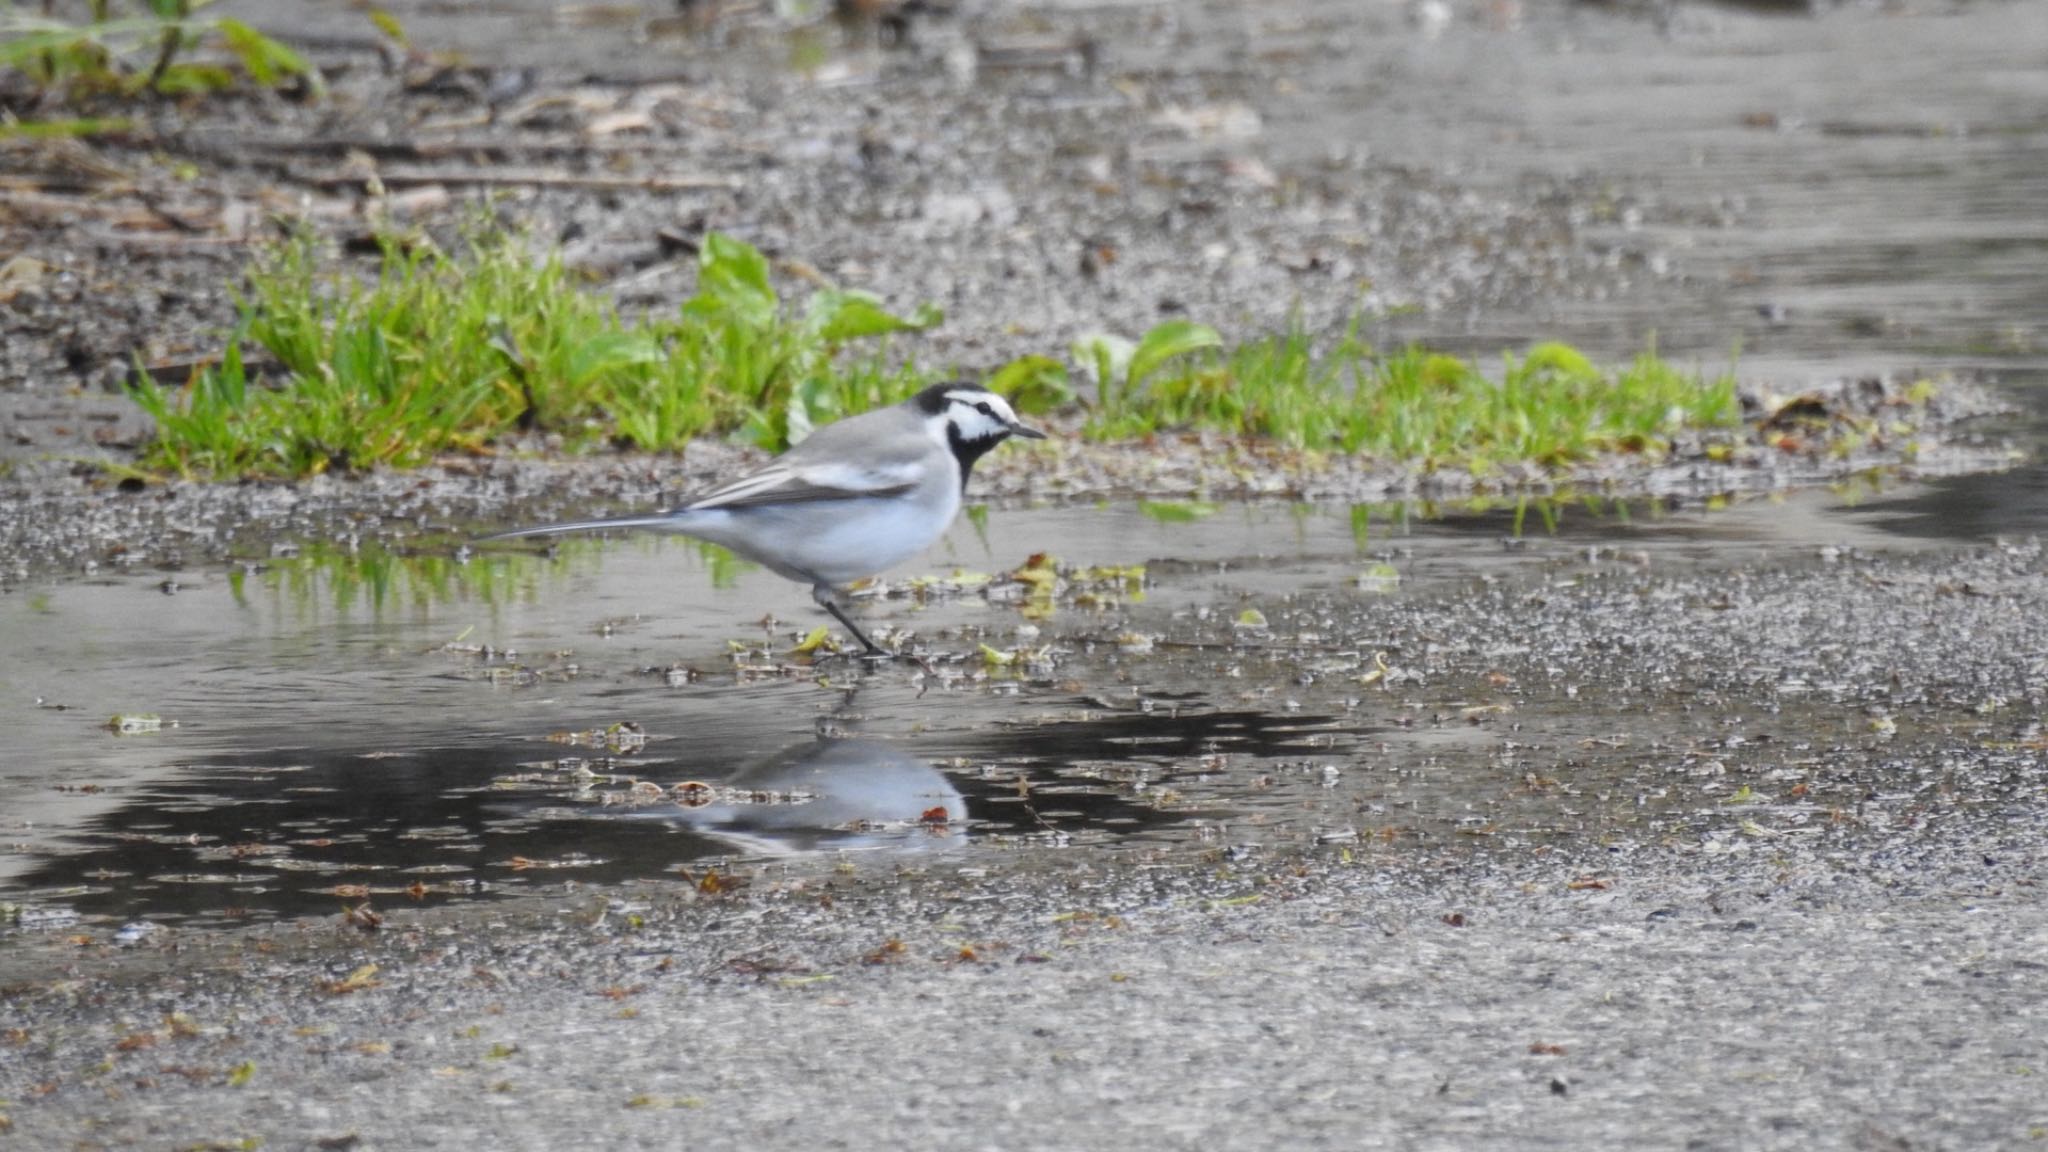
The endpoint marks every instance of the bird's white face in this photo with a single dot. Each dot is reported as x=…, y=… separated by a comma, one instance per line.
x=978, y=417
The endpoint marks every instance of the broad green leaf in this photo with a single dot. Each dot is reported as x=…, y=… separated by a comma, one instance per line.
x=838, y=316
x=811, y=403
x=1560, y=360
x=1033, y=385
x=732, y=276
x=1105, y=357
x=231, y=379
x=1167, y=341
x=609, y=351
x=267, y=61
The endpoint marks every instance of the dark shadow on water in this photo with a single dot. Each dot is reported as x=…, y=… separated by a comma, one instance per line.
x=265, y=837
x=1984, y=505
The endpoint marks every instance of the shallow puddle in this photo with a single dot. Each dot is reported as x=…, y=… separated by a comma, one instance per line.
x=325, y=729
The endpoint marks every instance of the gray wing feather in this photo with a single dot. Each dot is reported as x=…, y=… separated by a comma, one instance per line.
x=795, y=487
x=656, y=521
x=876, y=454
x=862, y=456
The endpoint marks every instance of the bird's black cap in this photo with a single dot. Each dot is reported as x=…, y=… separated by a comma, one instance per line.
x=932, y=400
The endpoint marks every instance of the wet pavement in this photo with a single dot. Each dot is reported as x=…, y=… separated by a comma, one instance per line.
x=1706, y=821
x=1673, y=828
x=339, y=727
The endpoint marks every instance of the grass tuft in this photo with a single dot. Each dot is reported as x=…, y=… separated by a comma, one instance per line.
x=123, y=50
x=450, y=350
x=1551, y=406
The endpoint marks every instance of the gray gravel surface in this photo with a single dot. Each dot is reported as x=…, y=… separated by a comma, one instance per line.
x=1857, y=998
x=1730, y=858
x=1854, y=958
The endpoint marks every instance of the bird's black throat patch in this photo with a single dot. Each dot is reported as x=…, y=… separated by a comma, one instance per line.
x=968, y=451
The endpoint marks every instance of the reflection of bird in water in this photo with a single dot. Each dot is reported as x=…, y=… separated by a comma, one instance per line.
x=861, y=794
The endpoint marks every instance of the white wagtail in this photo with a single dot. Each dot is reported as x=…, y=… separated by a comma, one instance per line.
x=858, y=496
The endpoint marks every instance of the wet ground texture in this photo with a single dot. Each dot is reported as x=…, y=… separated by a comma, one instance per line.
x=1324, y=807
x=1552, y=853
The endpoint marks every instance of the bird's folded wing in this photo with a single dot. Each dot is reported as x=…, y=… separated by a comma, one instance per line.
x=804, y=483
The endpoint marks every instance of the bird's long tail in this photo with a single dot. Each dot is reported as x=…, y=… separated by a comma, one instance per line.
x=656, y=520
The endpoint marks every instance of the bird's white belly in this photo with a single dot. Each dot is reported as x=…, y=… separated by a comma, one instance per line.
x=827, y=541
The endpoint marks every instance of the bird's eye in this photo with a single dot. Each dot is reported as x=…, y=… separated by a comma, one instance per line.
x=984, y=409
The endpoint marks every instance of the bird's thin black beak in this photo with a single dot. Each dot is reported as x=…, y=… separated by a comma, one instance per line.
x=1026, y=431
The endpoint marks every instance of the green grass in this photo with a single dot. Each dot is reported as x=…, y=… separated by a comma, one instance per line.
x=98, y=49
x=460, y=349
x=451, y=351
x=1550, y=406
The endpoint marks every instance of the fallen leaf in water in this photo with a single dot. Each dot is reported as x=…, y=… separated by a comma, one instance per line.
x=713, y=884
x=356, y=981
x=890, y=951
x=819, y=638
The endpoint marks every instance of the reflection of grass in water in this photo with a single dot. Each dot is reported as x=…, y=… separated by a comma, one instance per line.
x=381, y=580
x=725, y=568
x=1176, y=511
x=1549, y=512
x=1853, y=490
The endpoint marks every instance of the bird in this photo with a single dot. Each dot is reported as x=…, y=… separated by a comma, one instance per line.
x=854, y=498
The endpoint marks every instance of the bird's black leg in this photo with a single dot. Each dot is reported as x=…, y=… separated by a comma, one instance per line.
x=823, y=595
